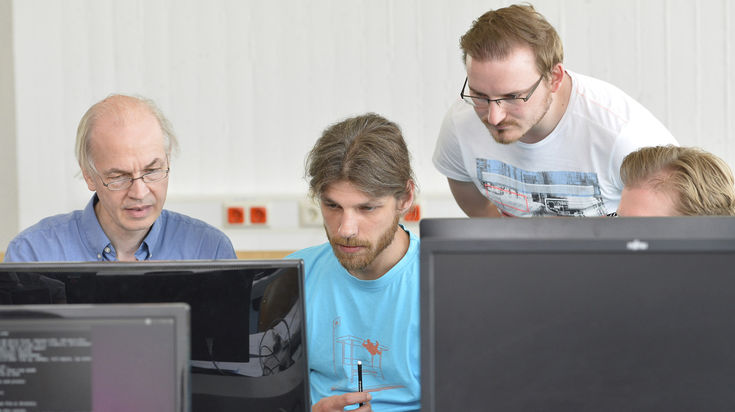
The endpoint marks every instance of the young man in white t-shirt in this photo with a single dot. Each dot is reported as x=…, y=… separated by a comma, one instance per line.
x=530, y=138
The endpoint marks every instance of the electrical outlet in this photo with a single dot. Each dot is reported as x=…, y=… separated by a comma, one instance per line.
x=310, y=214
x=246, y=214
x=235, y=215
x=414, y=213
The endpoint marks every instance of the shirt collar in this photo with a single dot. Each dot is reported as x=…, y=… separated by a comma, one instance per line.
x=97, y=241
x=94, y=237
x=152, y=241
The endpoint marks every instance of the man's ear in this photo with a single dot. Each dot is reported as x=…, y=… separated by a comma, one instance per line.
x=406, y=200
x=91, y=184
x=557, y=77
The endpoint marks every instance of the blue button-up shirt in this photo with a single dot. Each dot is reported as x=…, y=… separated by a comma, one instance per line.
x=78, y=236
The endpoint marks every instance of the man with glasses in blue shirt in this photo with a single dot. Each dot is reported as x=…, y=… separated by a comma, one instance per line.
x=123, y=147
x=530, y=138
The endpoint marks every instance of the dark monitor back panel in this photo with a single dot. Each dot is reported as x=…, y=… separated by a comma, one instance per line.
x=579, y=323
x=94, y=358
x=247, y=319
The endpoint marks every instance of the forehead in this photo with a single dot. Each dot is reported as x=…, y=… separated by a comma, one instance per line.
x=345, y=193
x=123, y=137
x=645, y=201
x=515, y=72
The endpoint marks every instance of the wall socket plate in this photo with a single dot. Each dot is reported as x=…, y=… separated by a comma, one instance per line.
x=310, y=214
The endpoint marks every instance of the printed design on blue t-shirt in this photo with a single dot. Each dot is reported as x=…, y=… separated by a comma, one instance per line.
x=349, y=348
x=518, y=192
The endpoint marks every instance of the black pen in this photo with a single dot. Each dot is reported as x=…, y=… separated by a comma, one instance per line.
x=359, y=377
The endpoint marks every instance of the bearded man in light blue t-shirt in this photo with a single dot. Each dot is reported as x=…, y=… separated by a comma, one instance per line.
x=362, y=288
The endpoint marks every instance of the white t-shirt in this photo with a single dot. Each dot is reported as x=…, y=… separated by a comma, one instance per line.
x=574, y=171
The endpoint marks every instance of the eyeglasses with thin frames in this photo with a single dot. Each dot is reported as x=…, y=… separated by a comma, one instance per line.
x=483, y=102
x=125, y=182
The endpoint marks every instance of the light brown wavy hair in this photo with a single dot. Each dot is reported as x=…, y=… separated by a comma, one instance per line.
x=367, y=151
x=495, y=34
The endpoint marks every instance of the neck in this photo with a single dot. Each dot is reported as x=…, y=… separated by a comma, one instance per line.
x=125, y=242
x=559, y=104
x=126, y=254
x=388, y=258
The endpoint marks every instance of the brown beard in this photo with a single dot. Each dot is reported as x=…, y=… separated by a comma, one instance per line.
x=363, y=260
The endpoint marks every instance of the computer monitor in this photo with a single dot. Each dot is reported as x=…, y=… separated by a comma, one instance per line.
x=94, y=358
x=578, y=314
x=247, y=319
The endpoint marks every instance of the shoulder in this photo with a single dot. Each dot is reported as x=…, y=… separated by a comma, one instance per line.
x=317, y=259
x=458, y=131
x=51, y=225
x=412, y=257
x=50, y=233
x=194, y=238
x=313, y=254
x=609, y=107
x=177, y=222
x=599, y=101
x=458, y=118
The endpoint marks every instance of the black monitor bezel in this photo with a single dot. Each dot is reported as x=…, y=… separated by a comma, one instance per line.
x=560, y=235
x=140, y=268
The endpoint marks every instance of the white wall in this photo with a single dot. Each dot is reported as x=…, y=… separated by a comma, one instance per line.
x=8, y=168
x=250, y=85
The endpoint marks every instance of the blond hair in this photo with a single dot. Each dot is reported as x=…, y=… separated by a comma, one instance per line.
x=700, y=183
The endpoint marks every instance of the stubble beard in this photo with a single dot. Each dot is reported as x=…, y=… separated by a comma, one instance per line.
x=507, y=137
x=363, y=260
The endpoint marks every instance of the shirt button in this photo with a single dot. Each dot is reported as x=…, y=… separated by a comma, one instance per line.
x=107, y=250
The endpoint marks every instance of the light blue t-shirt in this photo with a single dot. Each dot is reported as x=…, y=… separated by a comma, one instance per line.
x=78, y=237
x=374, y=321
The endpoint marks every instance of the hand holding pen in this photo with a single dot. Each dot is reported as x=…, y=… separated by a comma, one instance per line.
x=340, y=402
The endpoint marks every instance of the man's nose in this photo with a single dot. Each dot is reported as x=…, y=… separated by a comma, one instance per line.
x=138, y=189
x=495, y=113
x=348, y=225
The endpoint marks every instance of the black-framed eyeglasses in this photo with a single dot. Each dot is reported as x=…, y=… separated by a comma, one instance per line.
x=483, y=102
x=613, y=214
x=125, y=182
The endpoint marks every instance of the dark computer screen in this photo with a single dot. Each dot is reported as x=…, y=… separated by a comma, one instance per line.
x=247, y=319
x=75, y=358
x=578, y=314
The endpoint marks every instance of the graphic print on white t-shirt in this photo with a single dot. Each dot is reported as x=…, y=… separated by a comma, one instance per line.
x=518, y=192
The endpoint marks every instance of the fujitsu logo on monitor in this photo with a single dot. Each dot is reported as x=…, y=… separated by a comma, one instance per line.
x=636, y=245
